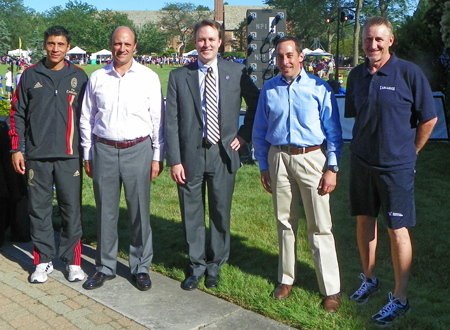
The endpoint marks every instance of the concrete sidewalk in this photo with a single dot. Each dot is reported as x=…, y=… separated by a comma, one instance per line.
x=59, y=304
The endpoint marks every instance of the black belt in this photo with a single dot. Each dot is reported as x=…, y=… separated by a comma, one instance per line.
x=206, y=144
x=293, y=150
x=121, y=144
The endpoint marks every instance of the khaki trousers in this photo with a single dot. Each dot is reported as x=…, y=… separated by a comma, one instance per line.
x=294, y=177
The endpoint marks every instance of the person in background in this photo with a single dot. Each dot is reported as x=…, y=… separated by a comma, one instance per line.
x=341, y=87
x=18, y=75
x=9, y=84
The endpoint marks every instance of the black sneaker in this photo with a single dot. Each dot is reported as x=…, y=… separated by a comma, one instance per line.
x=390, y=312
x=366, y=290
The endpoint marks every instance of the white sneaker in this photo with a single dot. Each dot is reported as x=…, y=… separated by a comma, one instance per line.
x=40, y=274
x=75, y=273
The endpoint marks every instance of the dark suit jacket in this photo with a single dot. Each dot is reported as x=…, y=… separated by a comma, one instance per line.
x=183, y=119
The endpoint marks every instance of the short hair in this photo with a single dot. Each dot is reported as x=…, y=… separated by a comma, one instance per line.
x=378, y=21
x=57, y=31
x=119, y=27
x=297, y=42
x=208, y=22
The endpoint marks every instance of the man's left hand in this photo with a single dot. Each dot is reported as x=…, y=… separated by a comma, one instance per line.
x=156, y=170
x=328, y=183
x=237, y=143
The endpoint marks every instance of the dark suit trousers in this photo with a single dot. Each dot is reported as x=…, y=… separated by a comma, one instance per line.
x=217, y=182
x=113, y=168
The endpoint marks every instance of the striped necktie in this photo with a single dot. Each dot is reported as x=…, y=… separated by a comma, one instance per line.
x=212, y=113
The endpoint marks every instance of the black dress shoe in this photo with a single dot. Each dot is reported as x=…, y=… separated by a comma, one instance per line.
x=212, y=281
x=97, y=281
x=142, y=280
x=191, y=283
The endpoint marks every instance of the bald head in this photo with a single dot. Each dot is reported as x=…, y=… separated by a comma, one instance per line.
x=123, y=29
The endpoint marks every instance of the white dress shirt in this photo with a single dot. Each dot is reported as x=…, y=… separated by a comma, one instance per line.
x=121, y=108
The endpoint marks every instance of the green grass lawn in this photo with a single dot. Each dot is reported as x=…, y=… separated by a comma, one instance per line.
x=250, y=276
x=162, y=73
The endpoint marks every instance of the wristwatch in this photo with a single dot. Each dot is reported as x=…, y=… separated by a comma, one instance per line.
x=333, y=168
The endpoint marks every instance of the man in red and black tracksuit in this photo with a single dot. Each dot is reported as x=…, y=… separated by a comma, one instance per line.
x=45, y=115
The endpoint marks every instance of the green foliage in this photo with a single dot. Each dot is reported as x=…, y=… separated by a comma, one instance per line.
x=19, y=21
x=5, y=107
x=178, y=19
x=419, y=40
x=104, y=23
x=35, y=46
x=4, y=37
x=150, y=40
x=77, y=17
x=445, y=23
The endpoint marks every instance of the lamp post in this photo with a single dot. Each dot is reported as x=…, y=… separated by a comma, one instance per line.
x=342, y=18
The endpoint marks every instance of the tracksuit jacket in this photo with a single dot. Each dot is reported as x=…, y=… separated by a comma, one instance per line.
x=45, y=115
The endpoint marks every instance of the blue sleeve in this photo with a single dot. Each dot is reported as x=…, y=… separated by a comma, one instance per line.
x=260, y=126
x=332, y=127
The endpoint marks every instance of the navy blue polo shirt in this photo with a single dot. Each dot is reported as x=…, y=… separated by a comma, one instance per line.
x=387, y=107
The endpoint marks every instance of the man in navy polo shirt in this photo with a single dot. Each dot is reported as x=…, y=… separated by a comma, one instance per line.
x=394, y=112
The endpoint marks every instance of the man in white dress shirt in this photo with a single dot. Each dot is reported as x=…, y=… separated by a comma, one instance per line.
x=122, y=137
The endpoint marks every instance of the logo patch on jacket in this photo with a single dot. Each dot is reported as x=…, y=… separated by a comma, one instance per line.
x=30, y=177
x=37, y=85
x=77, y=173
x=74, y=82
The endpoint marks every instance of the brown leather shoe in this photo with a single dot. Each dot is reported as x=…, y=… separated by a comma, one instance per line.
x=331, y=303
x=282, y=291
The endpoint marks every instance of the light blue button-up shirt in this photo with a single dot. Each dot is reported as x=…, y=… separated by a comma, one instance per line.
x=304, y=114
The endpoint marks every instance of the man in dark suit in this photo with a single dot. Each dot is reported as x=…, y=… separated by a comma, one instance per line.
x=202, y=143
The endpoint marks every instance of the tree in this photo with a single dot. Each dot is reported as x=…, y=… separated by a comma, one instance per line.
x=445, y=24
x=419, y=40
x=150, y=40
x=105, y=22
x=305, y=18
x=4, y=37
x=178, y=19
x=240, y=35
x=357, y=31
x=19, y=21
x=35, y=44
x=78, y=18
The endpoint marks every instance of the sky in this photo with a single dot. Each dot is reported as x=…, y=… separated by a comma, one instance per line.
x=42, y=6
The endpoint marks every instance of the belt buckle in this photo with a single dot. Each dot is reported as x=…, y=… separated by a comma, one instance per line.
x=302, y=150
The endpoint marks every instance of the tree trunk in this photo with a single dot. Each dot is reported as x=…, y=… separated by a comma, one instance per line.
x=357, y=32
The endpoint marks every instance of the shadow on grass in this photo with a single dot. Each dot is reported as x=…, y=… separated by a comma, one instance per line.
x=170, y=252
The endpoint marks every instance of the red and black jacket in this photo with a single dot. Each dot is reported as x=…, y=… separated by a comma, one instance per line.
x=46, y=116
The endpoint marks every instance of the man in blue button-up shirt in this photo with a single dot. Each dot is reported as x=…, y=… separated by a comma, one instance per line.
x=297, y=139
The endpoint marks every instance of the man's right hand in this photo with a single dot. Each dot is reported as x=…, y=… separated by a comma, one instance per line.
x=18, y=162
x=265, y=180
x=88, y=168
x=178, y=175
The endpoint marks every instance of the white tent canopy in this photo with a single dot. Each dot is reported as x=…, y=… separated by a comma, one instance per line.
x=316, y=52
x=191, y=53
x=76, y=51
x=103, y=52
x=18, y=52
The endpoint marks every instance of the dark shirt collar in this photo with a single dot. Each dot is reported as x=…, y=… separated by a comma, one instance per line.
x=386, y=69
